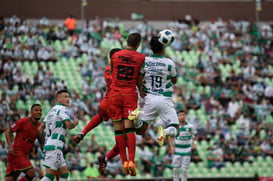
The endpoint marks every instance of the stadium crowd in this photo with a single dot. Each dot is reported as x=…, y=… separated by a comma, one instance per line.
x=225, y=83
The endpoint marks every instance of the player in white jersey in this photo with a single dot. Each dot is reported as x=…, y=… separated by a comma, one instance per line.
x=55, y=123
x=158, y=76
x=181, y=147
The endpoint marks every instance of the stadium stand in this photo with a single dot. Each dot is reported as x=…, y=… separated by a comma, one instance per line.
x=225, y=82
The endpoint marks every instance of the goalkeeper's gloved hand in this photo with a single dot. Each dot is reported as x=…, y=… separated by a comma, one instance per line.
x=77, y=139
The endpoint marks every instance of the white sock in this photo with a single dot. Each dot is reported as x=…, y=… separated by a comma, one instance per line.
x=184, y=174
x=62, y=179
x=170, y=131
x=138, y=123
x=175, y=174
x=46, y=179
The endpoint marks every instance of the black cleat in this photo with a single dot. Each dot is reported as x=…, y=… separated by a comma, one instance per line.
x=102, y=164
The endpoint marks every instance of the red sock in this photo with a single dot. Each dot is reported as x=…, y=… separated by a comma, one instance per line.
x=120, y=141
x=95, y=121
x=131, y=141
x=57, y=175
x=112, y=153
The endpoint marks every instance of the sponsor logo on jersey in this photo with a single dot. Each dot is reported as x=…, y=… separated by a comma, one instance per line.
x=128, y=60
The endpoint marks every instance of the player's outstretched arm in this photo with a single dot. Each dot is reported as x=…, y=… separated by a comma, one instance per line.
x=71, y=125
x=8, y=135
x=41, y=135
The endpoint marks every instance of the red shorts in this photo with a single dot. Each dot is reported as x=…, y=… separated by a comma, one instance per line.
x=121, y=105
x=104, y=109
x=17, y=163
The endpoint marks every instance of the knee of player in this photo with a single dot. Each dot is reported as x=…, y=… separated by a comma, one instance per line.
x=184, y=171
x=30, y=173
x=64, y=175
x=29, y=176
x=142, y=129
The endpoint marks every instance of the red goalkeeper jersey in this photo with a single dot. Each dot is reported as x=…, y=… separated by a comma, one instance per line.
x=125, y=69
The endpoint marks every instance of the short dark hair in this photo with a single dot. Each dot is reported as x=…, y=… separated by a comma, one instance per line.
x=34, y=105
x=133, y=39
x=61, y=91
x=155, y=45
x=182, y=111
x=114, y=50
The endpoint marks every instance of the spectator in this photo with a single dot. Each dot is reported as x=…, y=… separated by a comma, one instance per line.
x=233, y=110
x=267, y=148
x=93, y=146
x=70, y=23
x=114, y=167
x=145, y=158
x=14, y=20
x=229, y=152
x=215, y=157
x=268, y=93
x=44, y=21
x=194, y=154
x=2, y=123
x=212, y=125
x=91, y=172
x=3, y=151
x=43, y=54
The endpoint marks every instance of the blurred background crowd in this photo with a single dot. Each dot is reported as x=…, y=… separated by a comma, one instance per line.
x=225, y=82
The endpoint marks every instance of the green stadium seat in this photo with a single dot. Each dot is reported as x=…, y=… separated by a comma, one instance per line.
x=167, y=173
x=259, y=160
x=269, y=171
x=118, y=177
x=269, y=119
x=89, y=157
x=162, y=152
x=20, y=105
x=269, y=160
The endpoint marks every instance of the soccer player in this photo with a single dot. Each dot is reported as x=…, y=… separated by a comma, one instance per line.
x=158, y=74
x=181, y=147
x=123, y=98
x=18, y=153
x=98, y=118
x=55, y=123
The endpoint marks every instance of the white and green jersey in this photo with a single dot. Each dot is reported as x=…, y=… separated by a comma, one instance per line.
x=157, y=73
x=183, y=142
x=55, y=127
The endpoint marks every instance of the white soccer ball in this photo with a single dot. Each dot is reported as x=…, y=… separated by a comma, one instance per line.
x=166, y=37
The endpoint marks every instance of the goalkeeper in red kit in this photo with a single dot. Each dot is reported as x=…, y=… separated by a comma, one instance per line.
x=102, y=115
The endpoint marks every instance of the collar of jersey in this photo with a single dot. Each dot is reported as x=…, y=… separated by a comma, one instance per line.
x=33, y=122
x=186, y=123
x=58, y=104
x=129, y=49
x=157, y=56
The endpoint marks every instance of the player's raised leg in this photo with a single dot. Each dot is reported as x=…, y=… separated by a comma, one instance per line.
x=103, y=159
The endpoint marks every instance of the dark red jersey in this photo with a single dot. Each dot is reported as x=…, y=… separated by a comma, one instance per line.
x=107, y=77
x=26, y=134
x=125, y=69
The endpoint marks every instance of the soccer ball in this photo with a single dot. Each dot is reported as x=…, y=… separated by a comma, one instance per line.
x=166, y=37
